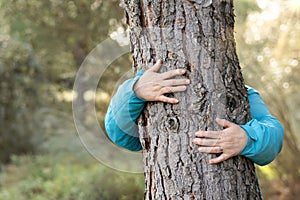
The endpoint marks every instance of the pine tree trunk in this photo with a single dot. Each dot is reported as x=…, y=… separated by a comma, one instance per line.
x=197, y=36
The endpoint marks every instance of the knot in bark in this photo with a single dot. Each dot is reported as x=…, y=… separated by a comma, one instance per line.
x=171, y=124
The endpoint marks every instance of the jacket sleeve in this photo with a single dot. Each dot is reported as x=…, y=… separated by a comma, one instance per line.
x=265, y=133
x=122, y=114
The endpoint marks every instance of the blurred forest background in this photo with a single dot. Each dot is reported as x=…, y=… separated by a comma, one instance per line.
x=42, y=45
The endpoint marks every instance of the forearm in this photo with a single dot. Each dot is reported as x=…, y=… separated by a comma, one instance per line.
x=264, y=140
x=265, y=133
x=123, y=111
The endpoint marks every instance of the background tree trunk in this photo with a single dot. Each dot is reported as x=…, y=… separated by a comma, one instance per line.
x=197, y=36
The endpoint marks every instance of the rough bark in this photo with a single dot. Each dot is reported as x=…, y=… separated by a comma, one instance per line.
x=196, y=36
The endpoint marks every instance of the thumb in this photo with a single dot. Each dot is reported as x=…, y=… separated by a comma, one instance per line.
x=224, y=123
x=156, y=67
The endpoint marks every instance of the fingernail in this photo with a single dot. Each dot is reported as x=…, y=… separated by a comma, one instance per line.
x=187, y=81
x=182, y=71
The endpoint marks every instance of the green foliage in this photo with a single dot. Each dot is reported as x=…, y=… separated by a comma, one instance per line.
x=40, y=53
x=41, y=177
x=58, y=28
x=20, y=84
x=61, y=35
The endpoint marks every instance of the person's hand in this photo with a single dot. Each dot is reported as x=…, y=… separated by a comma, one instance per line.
x=152, y=85
x=229, y=142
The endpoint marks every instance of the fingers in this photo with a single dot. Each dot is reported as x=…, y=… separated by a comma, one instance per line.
x=165, y=99
x=210, y=149
x=206, y=142
x=157, y=66
x=166, y=90
x=224, y=123
x=209, y=134
x=226, y=141
x=175, y=82
x=169, y=74
x=172, y=73
x=219, y=159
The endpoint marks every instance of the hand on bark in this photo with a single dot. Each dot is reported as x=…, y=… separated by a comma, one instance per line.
x=229, y=142
x=152, y=85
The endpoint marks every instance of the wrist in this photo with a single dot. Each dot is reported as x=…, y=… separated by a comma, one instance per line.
x=251, y=139
x=135, y=89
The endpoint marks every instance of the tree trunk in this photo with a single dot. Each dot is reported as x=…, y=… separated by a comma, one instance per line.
x=196, y=36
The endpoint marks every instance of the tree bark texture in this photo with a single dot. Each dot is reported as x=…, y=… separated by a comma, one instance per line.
x=196, y=35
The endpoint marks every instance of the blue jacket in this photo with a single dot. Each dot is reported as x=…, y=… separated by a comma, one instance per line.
x=265, y=133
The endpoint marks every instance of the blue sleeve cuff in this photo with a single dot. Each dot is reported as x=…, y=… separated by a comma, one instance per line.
x=264, y=140
x=248, y=149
